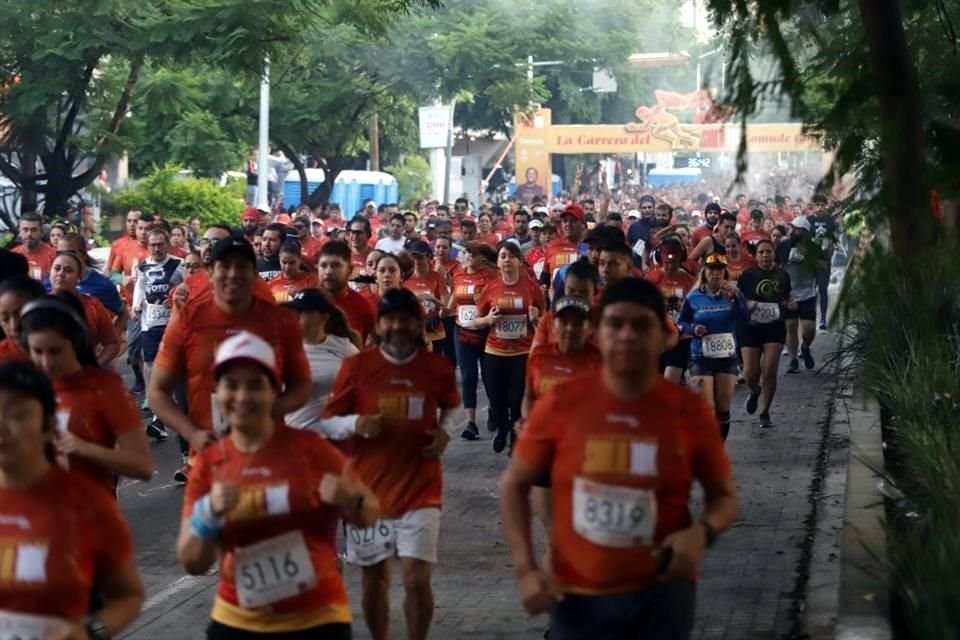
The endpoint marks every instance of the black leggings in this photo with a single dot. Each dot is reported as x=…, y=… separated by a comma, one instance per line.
x=504, y=378
x=333, y=631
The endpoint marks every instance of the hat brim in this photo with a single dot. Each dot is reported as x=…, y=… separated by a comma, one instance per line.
x=220, y=366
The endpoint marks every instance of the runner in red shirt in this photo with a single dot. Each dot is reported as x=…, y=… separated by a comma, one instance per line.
x=254, y=526
x=292, y=277
x=358, y=237
x=334, y=270
x=566, y=249
x=674, y=284
x=510, y=306
x=67, y=271
x=711, y=214
x=130, y=235
x=15, y=293
x=415, y=392
x=485, y=232
x=738, y=260
x=431, y=288
x=38, y=253
x=754, y=232
x=62, y=537
x=99, y=428
x=622, y=458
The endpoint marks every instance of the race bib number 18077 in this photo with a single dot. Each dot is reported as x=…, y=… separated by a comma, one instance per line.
x=511, y=327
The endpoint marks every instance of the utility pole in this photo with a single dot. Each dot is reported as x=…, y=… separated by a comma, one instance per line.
x=375, y=142
x=263, y=162
x=448, y=154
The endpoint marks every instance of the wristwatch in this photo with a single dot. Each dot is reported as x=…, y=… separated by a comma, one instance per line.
x=710, y=532
x=95, y=628
x=358, y=503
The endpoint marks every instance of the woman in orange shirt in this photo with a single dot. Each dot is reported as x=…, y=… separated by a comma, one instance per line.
x=674, y=284
x=15, y=293
x=469, y=339
x=430, y=287
x=67, y=271
x=61, y=536
x=485, y=232
x=99, y=428
x=292, y=278
x=275, y=541
x=510, y=306
x=738, y=260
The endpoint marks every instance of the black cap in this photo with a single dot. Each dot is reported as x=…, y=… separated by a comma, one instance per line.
x=647, y=198
x=416, y=245
x=233, y=246
x=399, y=300
x=311, y=300
x=605, y=235
x=25, y=379
x=712, y=206
x=756, y=214
x=571, y=302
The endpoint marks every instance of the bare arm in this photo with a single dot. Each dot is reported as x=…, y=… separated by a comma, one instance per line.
x=195, y=554
x=131, y=457
x=295, y=395
x=702, y=249
x=122, y=595
x=160, y=398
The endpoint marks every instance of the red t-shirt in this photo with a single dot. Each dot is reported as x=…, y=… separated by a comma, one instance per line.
x=699, y=234
x=10, y=351
x=279, y=495
x=40, y=261
x=408, y=396
x=116, y=248
x=434, y=284
x=57, y=539
x=512, y=333
x=621, y=473
x=547, y=366
x=310, y=250
x=465, y=293
x=284, y=288
x=94, y=405
x=491, y=238
x=200, y=289
x=99, y=320
x=560, y=252
x=125, y=260
x=360, y=312
x=674, y=288
x=750, y=237
x=191, y=339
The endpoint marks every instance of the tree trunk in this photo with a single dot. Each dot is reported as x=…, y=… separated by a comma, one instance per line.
x=901, y=128
x=28, y=191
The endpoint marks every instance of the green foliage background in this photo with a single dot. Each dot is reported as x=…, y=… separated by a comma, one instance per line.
x=180, y=198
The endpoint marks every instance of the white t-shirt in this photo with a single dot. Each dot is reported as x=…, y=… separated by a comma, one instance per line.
x=390, y=245
x=325, y=359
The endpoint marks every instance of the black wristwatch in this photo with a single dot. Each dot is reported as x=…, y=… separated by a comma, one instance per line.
x=710, y=532
x=358, y=503
x=95, y=628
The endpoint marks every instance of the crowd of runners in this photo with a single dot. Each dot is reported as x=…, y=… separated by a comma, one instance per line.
x=314, y=368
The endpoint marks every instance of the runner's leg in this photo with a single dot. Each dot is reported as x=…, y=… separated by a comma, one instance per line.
x=751, y=367
x=723, y=387
x=704, y=386
x=418, y=597
x=770, y=366
x=792, y=337
x=376, y=599
x=823, y=283
x=467, y=358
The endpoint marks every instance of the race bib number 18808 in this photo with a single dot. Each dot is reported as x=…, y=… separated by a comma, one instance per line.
x=718, y=345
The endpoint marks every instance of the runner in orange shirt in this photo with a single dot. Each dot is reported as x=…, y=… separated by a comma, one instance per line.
x=408, y=386
x=130, y=235
x=123, y=273
x=67, y=271
x=621, y=457
x=674, y=284
x=191, y=339
x=358, y=237
x=753, y=232
x=510, y=306
x=738, y=260
x=15, y=293
x=99, y=428
x=334, y=268
x=275, y=539
x=580, y=280
x=292, y=277
x=567, y=249
x=62, y=537
x=38, y=253
x=430, y=287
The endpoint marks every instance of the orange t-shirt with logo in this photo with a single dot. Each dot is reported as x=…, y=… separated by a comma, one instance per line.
x=99, y=321
x=548, y=367
x=408, y=397
x=279, y=494
x=191, y=339
x=116, y=248
x=621, y=472
x=94, y=405
x=125, y=261
x=57, y=538
x=40, y=261
x=465, y=293
x=433, y=284
x=750, y=237
x=512, y=333
x=10, y=351
x=560, y=253
x=674, y=288
x=284, y=288
x=738, y=266
x=200, y=289
x=310, y=250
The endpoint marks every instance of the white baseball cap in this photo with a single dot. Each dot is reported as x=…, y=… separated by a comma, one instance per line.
x=801, y=222
x=536, y=224
x=633, y=213
x=247, y=347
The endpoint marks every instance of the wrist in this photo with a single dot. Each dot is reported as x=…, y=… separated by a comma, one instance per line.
x=709, y=534
x=95, y=628
x=204, y=523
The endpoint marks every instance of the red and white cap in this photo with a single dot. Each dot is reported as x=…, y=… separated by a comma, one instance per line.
x=247, y=347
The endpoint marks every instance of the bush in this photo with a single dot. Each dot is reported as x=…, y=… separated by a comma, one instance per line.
x=180, y=198
x=413, y=178
x=907, y=312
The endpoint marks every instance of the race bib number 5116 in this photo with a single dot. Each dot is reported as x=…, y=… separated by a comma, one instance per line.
x=275, y=569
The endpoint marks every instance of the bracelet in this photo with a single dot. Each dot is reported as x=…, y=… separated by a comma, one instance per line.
x=203, y=523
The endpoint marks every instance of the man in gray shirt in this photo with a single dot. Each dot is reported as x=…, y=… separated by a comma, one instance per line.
x=801, y=257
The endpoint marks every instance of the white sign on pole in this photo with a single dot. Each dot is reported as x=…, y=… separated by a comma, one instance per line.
x=434, y=124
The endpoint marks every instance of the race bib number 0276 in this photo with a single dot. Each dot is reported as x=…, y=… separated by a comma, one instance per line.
x=718, y=345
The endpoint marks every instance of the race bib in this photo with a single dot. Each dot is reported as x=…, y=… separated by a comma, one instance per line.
x=275, y=569
x=718, y=345
x=63, y=426
x=612, y=516
x=538, y=268
x=22, y=626
x=639, y=247
x=511, y=327
x=466, y=315
x=217, y=420
x=36, y=273
x=795, y=255
x=765, y=312
x=157, y=315
x=371, y=544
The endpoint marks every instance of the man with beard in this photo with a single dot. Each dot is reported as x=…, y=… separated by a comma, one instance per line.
x=333, y=269
x=249, y=222
x=268, y=265
x=38, y=253
x=415, y=392
x=521, y=231
x=801, y=257
x=712, y=215
x=638, y=235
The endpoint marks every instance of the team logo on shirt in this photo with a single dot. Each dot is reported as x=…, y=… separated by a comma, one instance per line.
x=261, y=501
x=464, y=290
x=614, y=454
x=22, y=561
x=507, y=303
x=401, y=406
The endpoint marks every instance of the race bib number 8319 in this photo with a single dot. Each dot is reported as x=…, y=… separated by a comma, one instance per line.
x=614, y=516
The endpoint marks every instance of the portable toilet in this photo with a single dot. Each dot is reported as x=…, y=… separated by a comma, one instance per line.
x=291, y=186
x=667, y=177
x=556, y=185
x=352, y=188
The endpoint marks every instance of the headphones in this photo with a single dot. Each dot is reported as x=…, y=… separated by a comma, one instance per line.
x=667, y=247
x=78, y=332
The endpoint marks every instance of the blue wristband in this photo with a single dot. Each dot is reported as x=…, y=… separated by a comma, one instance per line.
x=203, y=523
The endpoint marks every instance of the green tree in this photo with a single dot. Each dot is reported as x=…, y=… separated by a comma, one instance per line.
x=178, y=197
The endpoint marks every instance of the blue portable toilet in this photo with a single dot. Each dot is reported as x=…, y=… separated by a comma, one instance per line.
x=556, y=185
x=352, y=188
x=291, y=186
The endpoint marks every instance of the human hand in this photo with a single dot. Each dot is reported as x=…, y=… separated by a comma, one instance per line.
x=368, y=426
x=224, y=497
x=537, y=592
x=438, y=443
x=699, y=331
x=687, y=546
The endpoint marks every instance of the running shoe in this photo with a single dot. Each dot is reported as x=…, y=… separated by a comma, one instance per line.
x=753, y=398
x=807, y=357
x=157, y=431
x=500, y=440
x=491, y=427
x=181, y=475
x=823, y=325
x=470, y=432
x=794, y=366
x=765, y=421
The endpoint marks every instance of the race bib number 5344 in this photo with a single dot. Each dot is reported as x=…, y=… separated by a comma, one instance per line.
x=613, y=516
